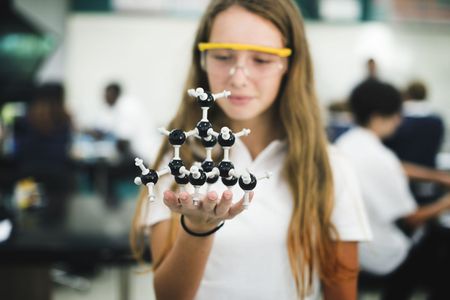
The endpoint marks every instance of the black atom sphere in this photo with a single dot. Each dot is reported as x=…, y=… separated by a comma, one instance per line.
x=227, y=143
x=203, y=127
x=211, y=143
x=208, y=102
x=207, y=165
x=177, y=137
x=230, y=181
x=182, y=180
x=225, y=168
x=248, y=186
x=175, y=165
x=213, y=179
x=152, y=176
x=198, y=181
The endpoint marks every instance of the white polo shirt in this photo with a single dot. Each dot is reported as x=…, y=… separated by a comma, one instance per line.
x=386, y=196
x=249, y=257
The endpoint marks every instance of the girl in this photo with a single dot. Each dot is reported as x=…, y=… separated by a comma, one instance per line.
x=301, y=227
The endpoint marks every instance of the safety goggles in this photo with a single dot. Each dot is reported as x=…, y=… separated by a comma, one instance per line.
x=224, y=59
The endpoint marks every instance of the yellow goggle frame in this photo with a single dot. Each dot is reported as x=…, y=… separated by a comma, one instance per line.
x=282, y=52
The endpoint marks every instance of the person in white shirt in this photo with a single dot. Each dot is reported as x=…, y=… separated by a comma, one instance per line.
x=376, y=108
x=299, y=236
x=122, y=132
x=124, y=119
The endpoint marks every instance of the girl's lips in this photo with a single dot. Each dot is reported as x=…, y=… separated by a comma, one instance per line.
x=239, y=100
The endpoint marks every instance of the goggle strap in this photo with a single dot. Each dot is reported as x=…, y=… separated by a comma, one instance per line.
x=282, y=52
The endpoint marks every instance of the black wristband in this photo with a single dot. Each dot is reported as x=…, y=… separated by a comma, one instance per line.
x=199, y=234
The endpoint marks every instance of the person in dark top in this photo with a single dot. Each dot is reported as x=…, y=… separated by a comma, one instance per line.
x=45, y=133
x=43, y=139
x=417, y=142
x=421, y=132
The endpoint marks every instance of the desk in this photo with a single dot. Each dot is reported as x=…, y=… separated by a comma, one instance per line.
x=90, y=234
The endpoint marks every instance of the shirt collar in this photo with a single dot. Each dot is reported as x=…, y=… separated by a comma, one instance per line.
x=368, y=134
x=275, y=147
x=416, y=109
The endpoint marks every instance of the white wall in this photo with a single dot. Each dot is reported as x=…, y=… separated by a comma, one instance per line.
x=402, y=53
x=150, y=55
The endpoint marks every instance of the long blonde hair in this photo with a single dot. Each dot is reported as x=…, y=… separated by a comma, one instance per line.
x=307, y=169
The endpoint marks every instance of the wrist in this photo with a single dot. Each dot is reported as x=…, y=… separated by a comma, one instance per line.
x=200, y=230
x=200, y=226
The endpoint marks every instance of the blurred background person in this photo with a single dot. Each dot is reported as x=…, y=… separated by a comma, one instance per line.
x=402, y=249
x=43, y=139
x=124, y=126
x=340, y=118
x=417, y=141
x=372, y=72
x=123, y=120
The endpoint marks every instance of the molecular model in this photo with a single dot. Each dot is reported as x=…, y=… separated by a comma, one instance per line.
x=205, y=172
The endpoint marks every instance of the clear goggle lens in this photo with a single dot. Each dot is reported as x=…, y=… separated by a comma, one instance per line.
x=255, y=64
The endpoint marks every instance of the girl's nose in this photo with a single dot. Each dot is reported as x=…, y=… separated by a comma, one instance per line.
x=234, y=70
x=239, y=76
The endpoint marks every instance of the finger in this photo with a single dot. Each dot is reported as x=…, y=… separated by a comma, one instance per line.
x=225, y=203
x=238, y=207
x=171, y=200
x=210, y=202
x=186, y=201
x=251, y=195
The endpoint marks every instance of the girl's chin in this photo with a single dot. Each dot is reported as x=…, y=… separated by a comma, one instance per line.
x=241, y=116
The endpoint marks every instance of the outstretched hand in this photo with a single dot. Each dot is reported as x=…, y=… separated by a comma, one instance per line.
x=210, y=211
